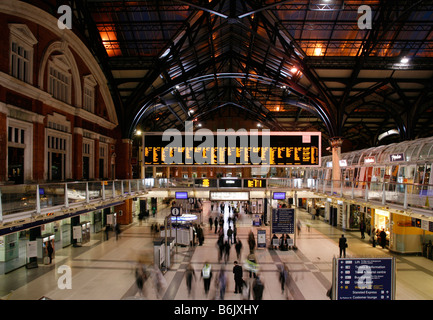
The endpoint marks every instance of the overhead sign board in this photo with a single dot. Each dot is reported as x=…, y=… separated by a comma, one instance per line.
x=232, y=148
x=254, y=183
x=364, y=279
x=228, y=196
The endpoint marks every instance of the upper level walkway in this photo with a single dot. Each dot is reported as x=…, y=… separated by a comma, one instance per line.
x=25, y=206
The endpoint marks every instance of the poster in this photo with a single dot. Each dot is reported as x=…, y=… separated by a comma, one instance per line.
x=261, y=238
x=76, y=232
x=32, y=249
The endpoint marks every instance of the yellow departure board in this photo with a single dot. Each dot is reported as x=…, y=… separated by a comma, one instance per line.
x=275, y=149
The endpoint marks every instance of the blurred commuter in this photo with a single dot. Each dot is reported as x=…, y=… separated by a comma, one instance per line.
x=210, y=222
x=382, y=236
x=220, y=246
x=238, y=247
x=141, y=276
x=230, y=235
x=251, y=264
x=206, y=274
x=50, y=251
x=189, y=275
x=258, y=288
x=222, y=283
x=107, y=231
x=216, y=224
x=373, y=237
x=226, y=251
x=159, y=282
x=284, y=280
x=245, y=290
x=251, y=241
x=362, y=229
x=117, y=231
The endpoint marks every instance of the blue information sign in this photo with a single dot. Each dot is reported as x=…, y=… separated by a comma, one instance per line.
x=283, y=220
x=365, y=279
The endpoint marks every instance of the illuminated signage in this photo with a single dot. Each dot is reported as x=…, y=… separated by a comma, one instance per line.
x=181, y=195
x=369, y=160
x=343, y=163
x=279, y=196
x=254, y=183
x=396, y=157
x=230, y=183
x=233, y=148
x=227, y=196
x=205, y=183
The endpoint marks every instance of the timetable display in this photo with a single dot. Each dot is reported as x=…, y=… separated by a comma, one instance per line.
x=275, y=149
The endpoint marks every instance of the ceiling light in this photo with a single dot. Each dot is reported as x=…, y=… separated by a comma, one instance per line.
x=405, y=60
x=294, y=69
x=318, y=51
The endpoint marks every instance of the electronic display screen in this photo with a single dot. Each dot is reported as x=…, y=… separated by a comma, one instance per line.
x=271, y=149
x=181, y=195
x=279, y=196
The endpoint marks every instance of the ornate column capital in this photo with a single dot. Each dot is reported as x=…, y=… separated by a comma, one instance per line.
x=336, y=142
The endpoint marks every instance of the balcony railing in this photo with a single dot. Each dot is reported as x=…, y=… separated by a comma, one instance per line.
x=31, y=200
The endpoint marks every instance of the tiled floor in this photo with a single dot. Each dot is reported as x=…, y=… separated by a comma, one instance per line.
x=105, y=270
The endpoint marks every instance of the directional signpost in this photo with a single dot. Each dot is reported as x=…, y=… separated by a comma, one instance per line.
x=175, y=212
x=364, y=279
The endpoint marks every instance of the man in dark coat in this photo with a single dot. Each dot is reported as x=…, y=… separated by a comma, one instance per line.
x=238, y=272
x=342, y=243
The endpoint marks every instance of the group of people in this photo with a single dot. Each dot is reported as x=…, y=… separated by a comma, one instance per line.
x=247, y=289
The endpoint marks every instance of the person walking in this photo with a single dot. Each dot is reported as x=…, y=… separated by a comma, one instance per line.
x=362, y=229
x=373, y=237
x=258, y=288
x=189, y=275
x=230, y=235
x=226, y=251
x=222, y=283
x=206, y=274
x=342, y=243
x=50, y=251
x=117, y=230
x=216, y=224
x=107, y=231
x=238, y=272
x=382, y=236
x=238, y=247
x=210, y=222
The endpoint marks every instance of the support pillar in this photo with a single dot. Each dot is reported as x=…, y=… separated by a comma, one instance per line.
x=336, y=155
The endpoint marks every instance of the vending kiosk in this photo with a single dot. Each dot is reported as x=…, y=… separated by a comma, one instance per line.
x=81, y=233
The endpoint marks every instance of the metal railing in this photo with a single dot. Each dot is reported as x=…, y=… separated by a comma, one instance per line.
x=37, y=199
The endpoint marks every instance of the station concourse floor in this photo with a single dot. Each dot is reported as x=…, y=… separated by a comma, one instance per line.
x=105, y=270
